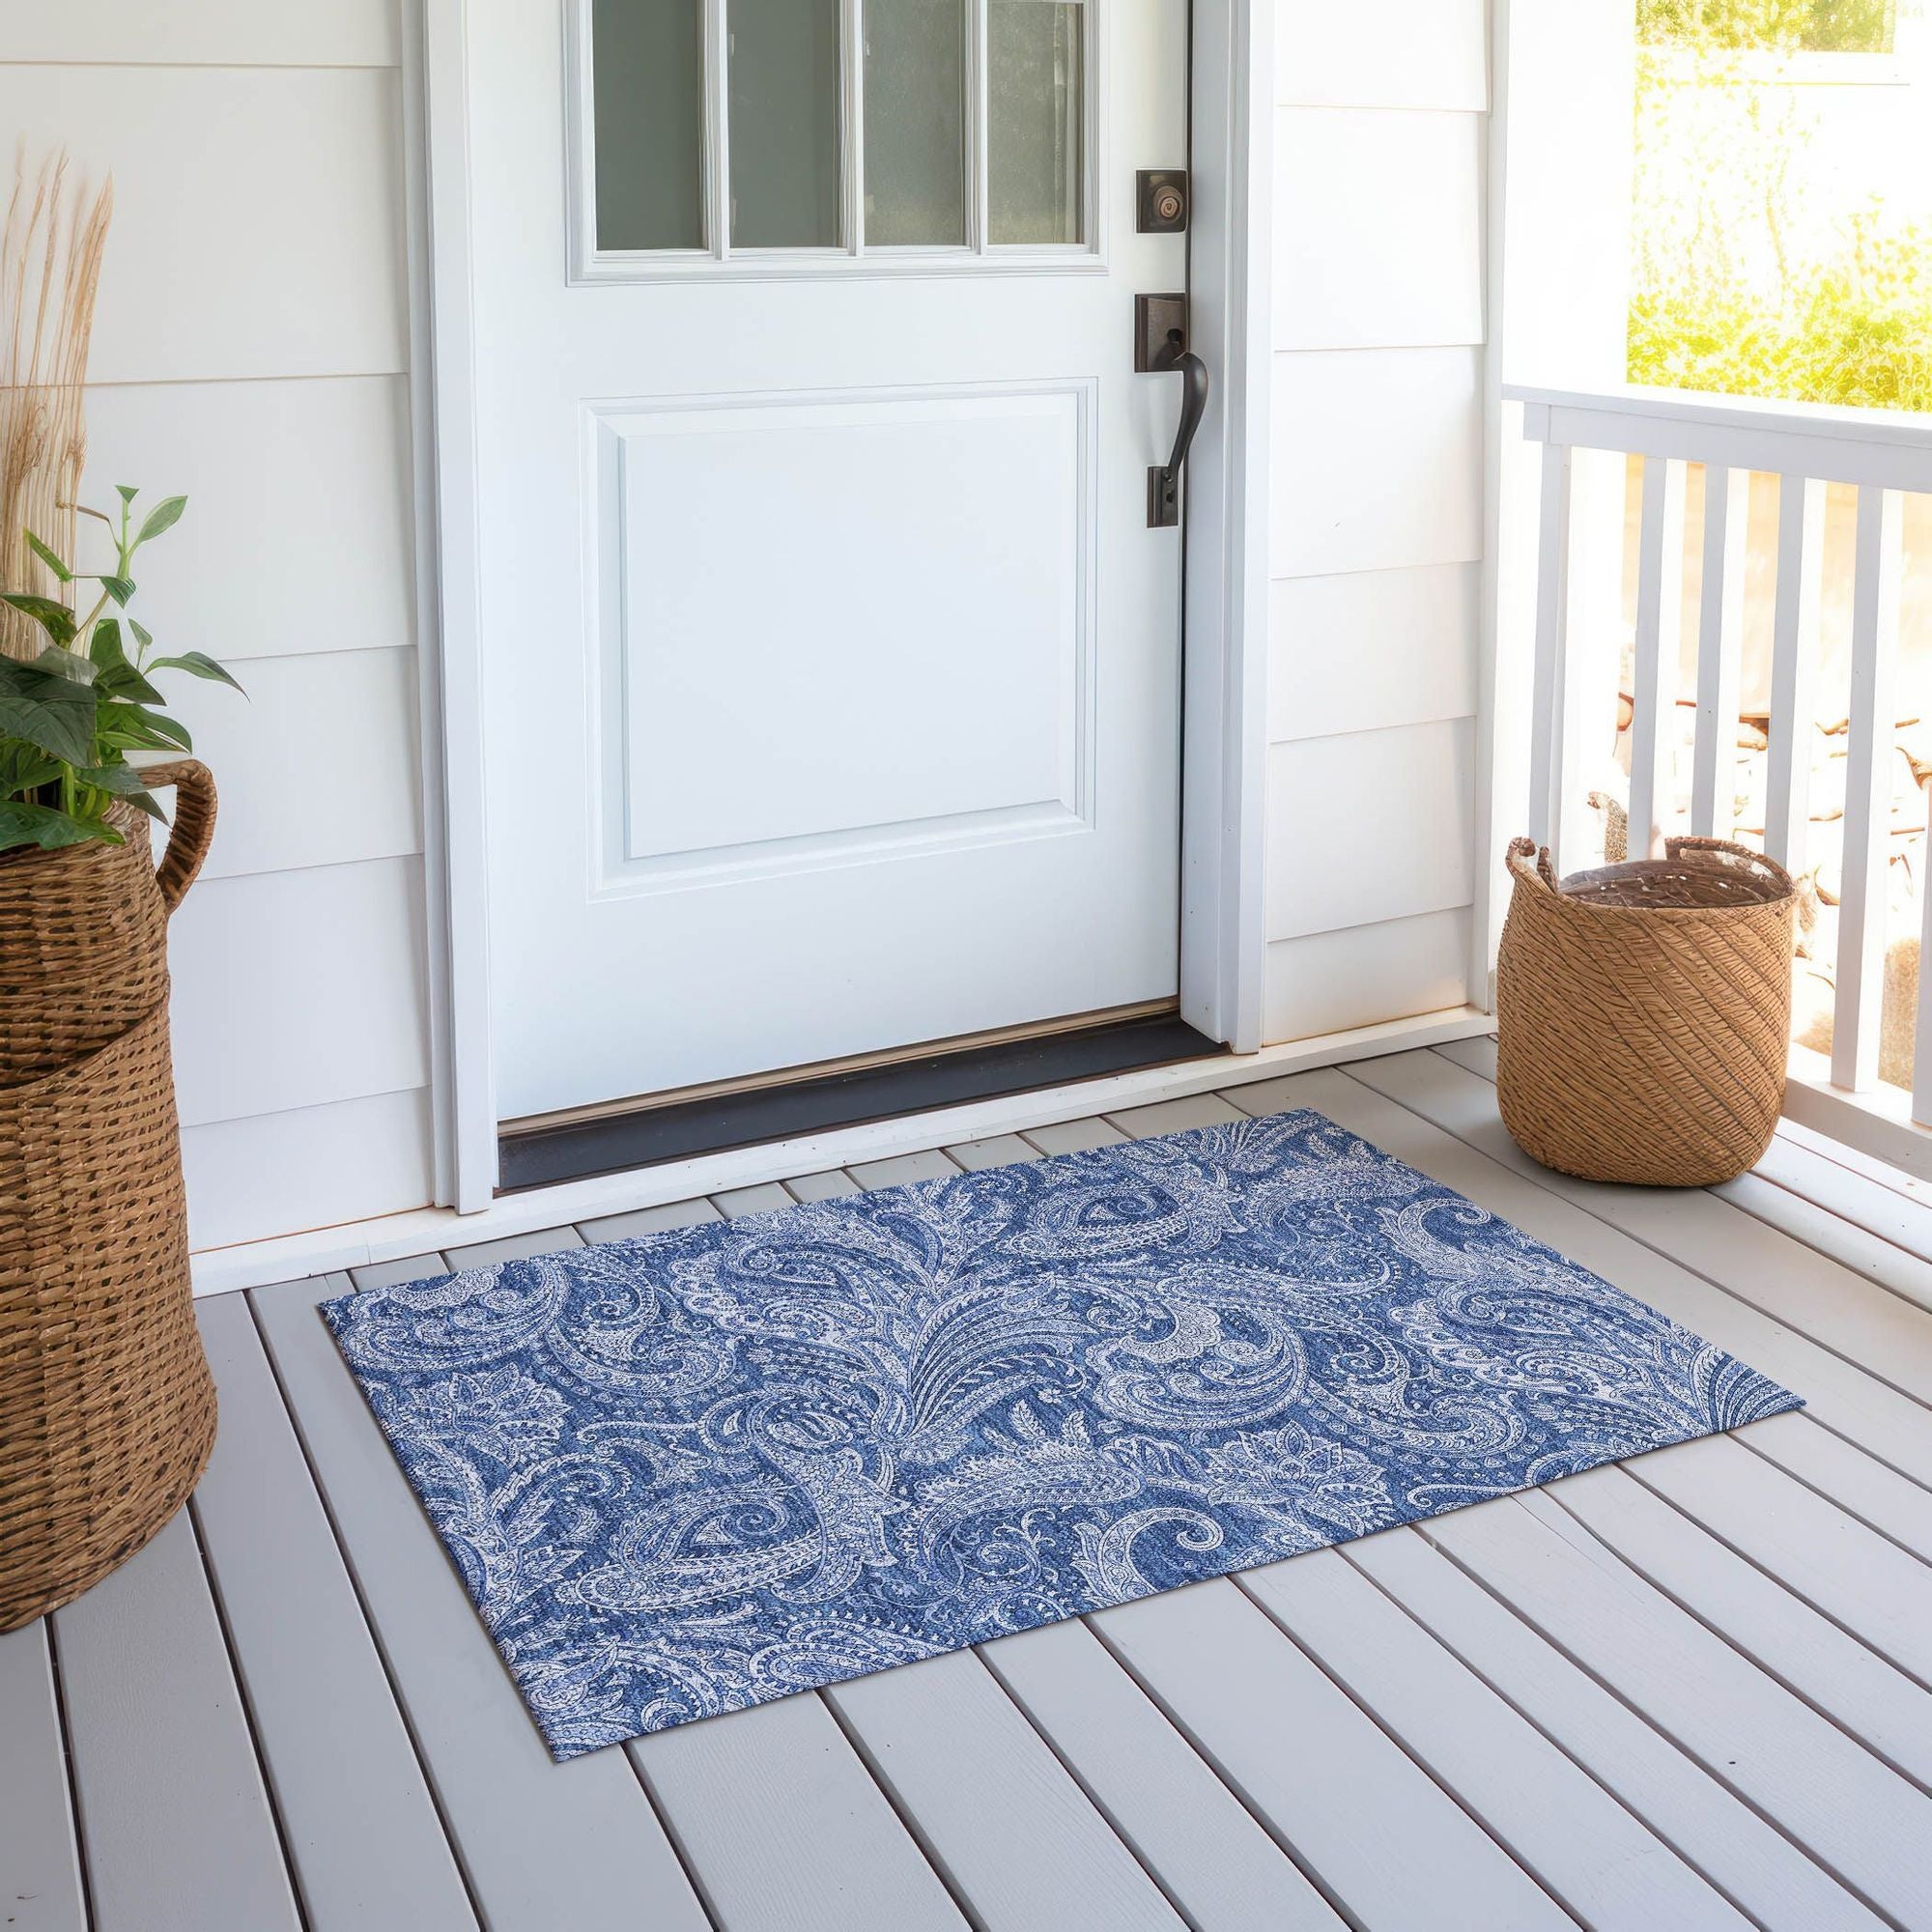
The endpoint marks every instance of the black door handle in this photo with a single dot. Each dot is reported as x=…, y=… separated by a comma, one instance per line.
x=1164, y=482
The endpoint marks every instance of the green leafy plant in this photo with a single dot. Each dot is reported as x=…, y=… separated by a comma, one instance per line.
x=71, y=714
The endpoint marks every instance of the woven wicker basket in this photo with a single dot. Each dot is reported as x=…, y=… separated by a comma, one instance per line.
x=1645, y=1012
x=106, y=1404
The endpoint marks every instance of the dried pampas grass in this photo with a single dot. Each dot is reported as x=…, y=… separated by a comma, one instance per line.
x=50, y=251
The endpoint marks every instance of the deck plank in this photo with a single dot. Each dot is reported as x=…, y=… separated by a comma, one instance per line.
x=543, y=1845
x=997, y=1811
x=1895, y=1268
x=901, y=1170
x=175, y=1822
x=1828, y=1465
x=1591, y=1853
x=1384, y=1841
x=1074, y=1136
x=1002, y=1150
x=785, y=1827
x=1441, y=1130
x=1855, y=1816
x=661, y=1220
x=512, y=1248
x=315, y=1684
x=1831, y=1670
x=1752, y=1863
x=1215, y=1860
x=827, y=1185
x=1859, y=1580
x=1174, y=1117
x=39, y=1852
x=767, y=1198
x=394, y=1273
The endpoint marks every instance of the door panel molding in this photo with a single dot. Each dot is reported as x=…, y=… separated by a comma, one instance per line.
x=1037, y=489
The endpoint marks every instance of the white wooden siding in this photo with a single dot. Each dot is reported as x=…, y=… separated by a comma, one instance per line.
x=299, y=988
x=1400, y=53
x=1377, y=492
x=1368, y=825
x=258, y=227
x=1417, y=625
x=250, y=350
x=297, y=536
x=1411, y=274
x=1325, y=982
x=254, y=1178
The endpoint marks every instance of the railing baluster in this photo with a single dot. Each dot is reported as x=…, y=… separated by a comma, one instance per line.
x=1553, y=624
x=1660, y=604
x=1921, y=1037
x=1794, y=652
x=1720, y=627
x=1859, y=1004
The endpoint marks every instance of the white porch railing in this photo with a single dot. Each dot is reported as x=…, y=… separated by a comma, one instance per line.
x=1745, y=447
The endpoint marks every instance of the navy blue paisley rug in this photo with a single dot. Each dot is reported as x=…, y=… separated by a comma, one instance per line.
x=686, y=1474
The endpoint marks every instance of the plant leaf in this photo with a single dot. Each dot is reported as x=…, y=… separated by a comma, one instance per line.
x=143, y=636
x=57, y=661
x=165, y=516
x=198, y=664
x=127, y=492
x=52, y=714
x=55, y=619
x=127, y=728
x=120, y=588
x=47, y=557
x=25, y=768
x=119, y=678
x=43, y=826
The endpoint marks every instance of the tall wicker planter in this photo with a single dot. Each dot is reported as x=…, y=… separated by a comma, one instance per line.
x=106, y=1404
x=1645, y=1012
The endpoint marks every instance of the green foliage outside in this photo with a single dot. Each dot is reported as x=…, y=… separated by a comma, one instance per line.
x=1743, y=284
x=1821, y=26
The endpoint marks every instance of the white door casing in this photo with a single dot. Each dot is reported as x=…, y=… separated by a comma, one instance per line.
x=832, y=674
x=471, y=180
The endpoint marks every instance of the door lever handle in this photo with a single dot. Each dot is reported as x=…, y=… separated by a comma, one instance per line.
x=1164, y=481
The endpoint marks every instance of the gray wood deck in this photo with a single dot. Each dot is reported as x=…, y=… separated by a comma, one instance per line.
x=1693, y=1691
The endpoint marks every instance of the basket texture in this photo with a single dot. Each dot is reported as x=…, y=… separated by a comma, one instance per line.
x=1645, y=1012
x=106, y=1404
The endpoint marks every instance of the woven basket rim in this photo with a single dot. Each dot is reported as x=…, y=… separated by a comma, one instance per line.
x=125, y=819
x=1524, y=872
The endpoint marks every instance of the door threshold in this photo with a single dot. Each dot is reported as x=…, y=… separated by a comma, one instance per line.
x=426, y=1230
x=716, y=1123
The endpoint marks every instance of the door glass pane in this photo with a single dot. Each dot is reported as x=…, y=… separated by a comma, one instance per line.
x=1034, y=88
x=915, y=123
x=785, y=123
x=649, y=100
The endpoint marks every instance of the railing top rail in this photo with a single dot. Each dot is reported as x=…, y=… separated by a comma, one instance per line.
x=1887, y=447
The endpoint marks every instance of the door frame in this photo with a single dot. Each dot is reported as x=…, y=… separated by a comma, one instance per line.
x=1224, y=698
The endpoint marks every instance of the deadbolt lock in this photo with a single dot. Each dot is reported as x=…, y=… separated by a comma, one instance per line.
x=1162, y=199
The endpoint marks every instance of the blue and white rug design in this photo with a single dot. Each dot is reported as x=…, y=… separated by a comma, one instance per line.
x=686, y=1474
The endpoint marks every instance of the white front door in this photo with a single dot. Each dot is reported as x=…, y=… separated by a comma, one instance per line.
x=832, y=669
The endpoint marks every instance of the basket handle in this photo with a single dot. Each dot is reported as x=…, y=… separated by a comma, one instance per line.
x=1542, y=872
x=193, y=828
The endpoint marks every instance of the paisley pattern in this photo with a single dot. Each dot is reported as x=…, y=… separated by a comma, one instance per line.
x=685, y=1474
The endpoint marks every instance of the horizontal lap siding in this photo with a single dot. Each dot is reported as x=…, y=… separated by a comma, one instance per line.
x=1376, y=486
x=250, y=351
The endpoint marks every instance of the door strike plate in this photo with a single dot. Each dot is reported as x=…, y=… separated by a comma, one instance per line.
x=1161, y=198
x=1160, y=331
